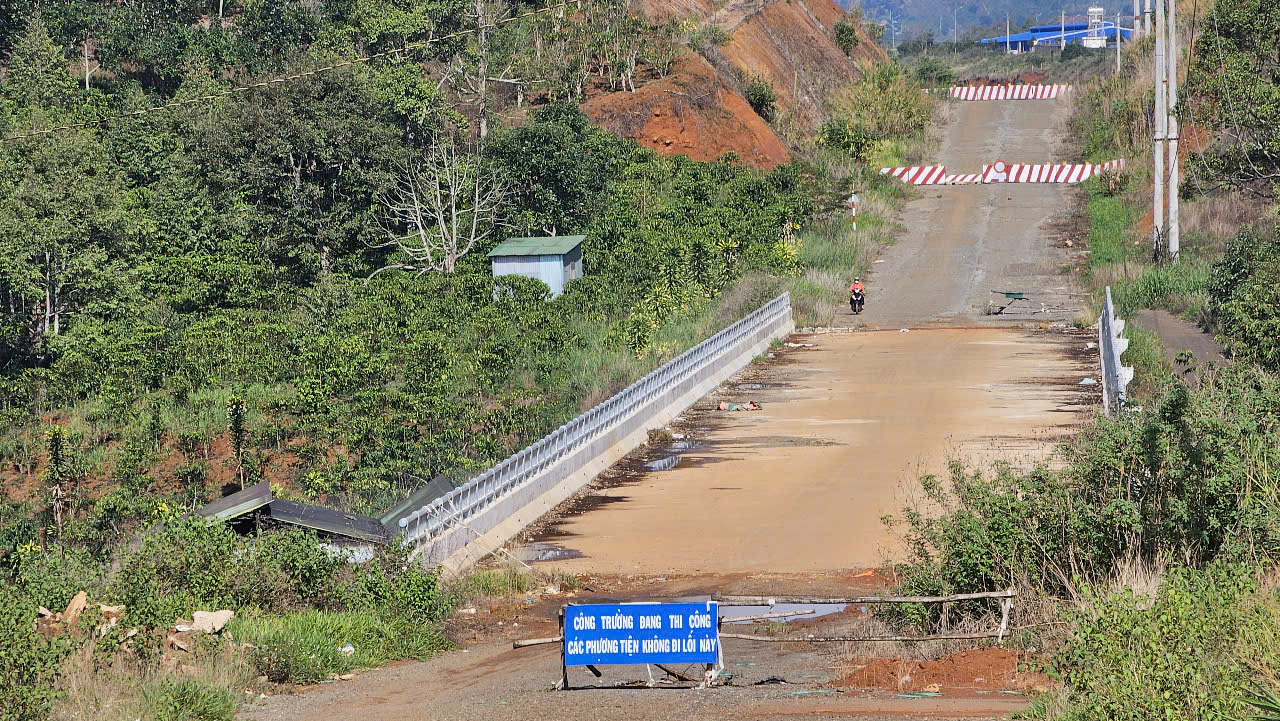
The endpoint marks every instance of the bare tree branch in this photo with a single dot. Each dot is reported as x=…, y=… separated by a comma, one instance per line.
x=440, y=208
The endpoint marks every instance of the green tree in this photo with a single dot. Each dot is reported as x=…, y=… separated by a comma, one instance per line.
x=559, y=166
x=58, y=214
x=38, y=71
x=761, y=96
x=1234, y=88
x=846, y=36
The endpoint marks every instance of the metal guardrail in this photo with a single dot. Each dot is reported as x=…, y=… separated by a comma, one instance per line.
x=457, y=507
x=1115, y=376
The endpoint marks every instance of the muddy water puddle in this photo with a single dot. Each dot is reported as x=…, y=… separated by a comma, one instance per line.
x=542, y=551
x=729, y=613
x=666, y=463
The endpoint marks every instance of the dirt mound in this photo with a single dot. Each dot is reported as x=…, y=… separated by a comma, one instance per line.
x=791, y=44
x=690, y=112
x=987, y=668
x=699, y=109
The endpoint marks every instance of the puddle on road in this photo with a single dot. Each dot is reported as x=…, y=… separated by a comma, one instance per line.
x=535, y=552
x=666, y=463
x=728, y=613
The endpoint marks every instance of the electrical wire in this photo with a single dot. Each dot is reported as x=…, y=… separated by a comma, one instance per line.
x=283, y=79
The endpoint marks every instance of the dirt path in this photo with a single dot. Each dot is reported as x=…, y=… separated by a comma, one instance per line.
x=789, y=498
x=1179, y=335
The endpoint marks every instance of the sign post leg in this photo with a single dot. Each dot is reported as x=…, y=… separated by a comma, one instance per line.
x=564, y=670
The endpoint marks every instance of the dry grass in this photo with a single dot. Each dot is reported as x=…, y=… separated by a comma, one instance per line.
x=1218, y=217
x=117, y=692
x=1142, y=576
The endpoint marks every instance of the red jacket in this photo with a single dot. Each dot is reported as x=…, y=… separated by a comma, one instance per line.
x=855, y=287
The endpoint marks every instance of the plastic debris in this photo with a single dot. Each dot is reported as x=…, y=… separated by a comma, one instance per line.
x=809, y=691
x=919, y=694
x=348, y=650
x=1088, y=382
x=770, y=681
x=904, y=330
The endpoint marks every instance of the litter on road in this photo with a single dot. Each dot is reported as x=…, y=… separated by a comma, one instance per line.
x=748, y=406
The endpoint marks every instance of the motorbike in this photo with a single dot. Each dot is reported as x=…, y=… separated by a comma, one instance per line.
x=856, y=301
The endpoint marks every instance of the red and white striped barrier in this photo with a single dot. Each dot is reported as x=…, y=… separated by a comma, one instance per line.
x=1009, y=92
x=1002, y=172
x=918, y=175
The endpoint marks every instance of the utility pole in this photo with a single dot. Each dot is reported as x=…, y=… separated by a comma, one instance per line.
x=1062, y=40
x=955, y=30
x=1136, y=12
x=1006, y=33
x=1117, y=43
x=1146, y=17
x=1172, y=130
x=1162, y=119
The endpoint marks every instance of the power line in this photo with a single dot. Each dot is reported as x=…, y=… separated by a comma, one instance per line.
x=283, y=79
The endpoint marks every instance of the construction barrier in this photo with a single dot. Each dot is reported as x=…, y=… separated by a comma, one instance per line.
x=1071, y=173
x=916, y=175
x=1002, y=172
x=1009, y=92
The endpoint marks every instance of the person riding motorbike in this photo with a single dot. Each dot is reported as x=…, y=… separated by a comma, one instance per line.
x=857, y=295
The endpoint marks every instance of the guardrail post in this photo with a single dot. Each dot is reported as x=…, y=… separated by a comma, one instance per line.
x=1115, y=375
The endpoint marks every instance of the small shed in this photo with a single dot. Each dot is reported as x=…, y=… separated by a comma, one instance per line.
x=554, y=260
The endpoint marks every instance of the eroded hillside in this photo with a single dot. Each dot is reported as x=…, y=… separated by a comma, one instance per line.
x=700, y=110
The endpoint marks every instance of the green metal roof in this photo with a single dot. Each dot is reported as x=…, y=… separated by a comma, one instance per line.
x=558, y=245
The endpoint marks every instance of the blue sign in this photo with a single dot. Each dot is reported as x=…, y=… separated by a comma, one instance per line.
x=637, y=633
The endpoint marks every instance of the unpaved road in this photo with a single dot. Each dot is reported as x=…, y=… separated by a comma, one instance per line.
x=791, y=496
x=801, y=485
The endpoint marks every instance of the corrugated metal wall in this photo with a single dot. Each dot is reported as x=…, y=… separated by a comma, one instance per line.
x=554, y=270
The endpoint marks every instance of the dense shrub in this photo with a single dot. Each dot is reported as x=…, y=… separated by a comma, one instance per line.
x=28, y=661
x=933, y=73
x=883, y=103
x=1189, y=653
x=761, y=96
x=1244, y=291
x=846, y=34
x=1183, y=476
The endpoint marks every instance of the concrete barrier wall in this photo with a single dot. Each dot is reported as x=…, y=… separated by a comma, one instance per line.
x=459, y=529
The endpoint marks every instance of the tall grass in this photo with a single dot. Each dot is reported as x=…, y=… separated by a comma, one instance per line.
x=307, y=647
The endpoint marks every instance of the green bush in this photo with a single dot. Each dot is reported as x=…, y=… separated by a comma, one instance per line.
x=884, y=102
x=846, y=36
x=1188, y=654
x=1244, y=291
x=933, y=73
x=1072, y=51
x=761, y=96
x=855, y=142
x=29, y=662
x=1186, y=475
x=188, y=700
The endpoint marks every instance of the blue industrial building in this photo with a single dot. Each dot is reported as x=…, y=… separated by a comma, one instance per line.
x=1056, y=36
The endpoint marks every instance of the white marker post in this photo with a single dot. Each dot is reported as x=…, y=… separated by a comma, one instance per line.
x=853, y=207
